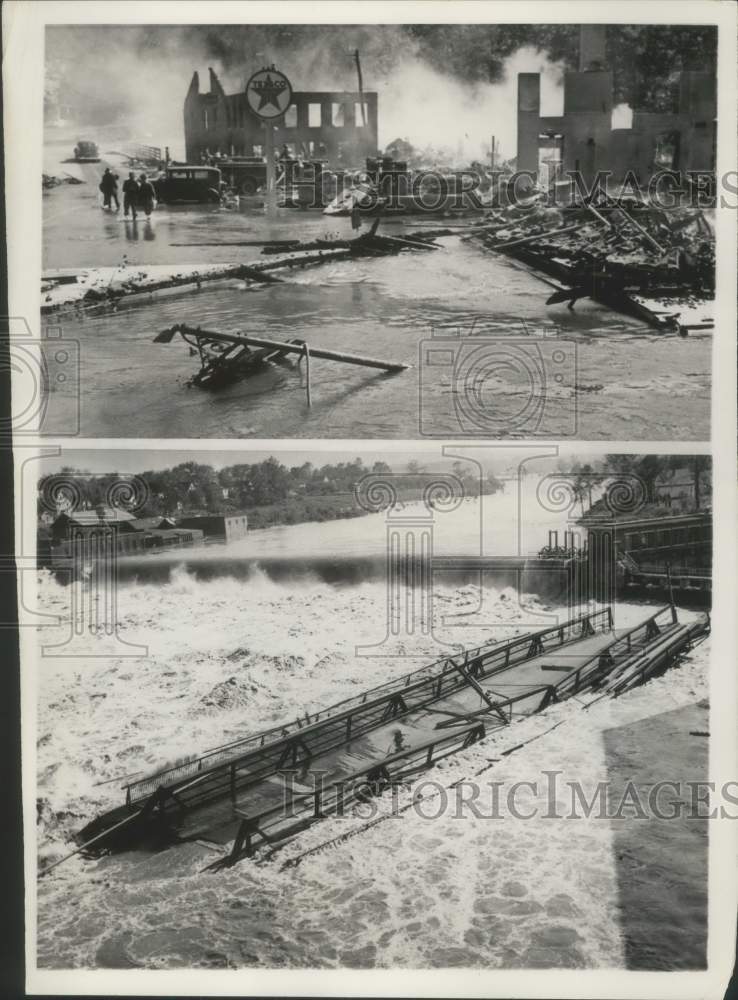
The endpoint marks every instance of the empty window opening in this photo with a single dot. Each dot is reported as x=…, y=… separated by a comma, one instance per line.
x=315, y=119
x=622, y=116
x=666, y=153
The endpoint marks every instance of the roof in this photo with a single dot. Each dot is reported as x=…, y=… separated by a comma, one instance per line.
x=644, y=517
x=224, y=515
x=101, y=515
x=152, y=523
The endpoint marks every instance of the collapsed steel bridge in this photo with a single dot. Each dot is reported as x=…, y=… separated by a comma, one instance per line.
x=270, y=786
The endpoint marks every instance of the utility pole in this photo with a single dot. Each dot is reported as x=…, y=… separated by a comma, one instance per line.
x=361, y=86
x=269, y=94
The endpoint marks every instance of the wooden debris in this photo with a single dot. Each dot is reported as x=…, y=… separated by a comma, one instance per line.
x=366, y=244
x=615, y=258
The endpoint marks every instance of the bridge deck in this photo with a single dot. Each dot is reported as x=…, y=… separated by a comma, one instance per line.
x=219, y=821
x=403, y=726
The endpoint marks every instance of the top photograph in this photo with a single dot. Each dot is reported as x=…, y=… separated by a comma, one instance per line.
x=442, y=231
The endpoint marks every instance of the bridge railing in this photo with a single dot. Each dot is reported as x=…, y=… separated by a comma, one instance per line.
x=140, y=151
x=621, y=647
x=363, y=712
x=661, y=569
x=337, y=794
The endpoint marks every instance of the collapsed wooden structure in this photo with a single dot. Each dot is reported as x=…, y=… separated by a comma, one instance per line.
x=273, y=784
x=641, y=261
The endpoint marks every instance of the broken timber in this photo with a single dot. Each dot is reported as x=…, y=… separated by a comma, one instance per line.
x=614, y=259
x=258, y=789
x=370, y=243
x=227, y=357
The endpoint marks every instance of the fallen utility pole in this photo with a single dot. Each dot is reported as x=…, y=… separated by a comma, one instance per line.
x=368, y=243
x=282, y=346
x=539, y=236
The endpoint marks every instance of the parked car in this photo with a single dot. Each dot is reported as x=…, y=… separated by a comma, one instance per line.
x=185, y=183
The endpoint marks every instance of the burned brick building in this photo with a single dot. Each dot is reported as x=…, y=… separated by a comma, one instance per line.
x=340, y=126
x=583, y=138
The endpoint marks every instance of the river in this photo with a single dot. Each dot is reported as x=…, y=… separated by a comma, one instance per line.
x=409, y=892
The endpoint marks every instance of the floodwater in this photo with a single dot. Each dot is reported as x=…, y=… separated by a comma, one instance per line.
x=488, y=358
x=419, y=889
x=413, y=891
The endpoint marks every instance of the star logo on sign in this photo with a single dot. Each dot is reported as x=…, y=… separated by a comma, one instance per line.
x=269, y=92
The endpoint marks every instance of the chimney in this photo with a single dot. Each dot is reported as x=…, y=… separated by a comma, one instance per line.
x=591, y=47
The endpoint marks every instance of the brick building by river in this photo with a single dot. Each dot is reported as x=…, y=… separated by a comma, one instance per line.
x=322, y=124
x=584, y=139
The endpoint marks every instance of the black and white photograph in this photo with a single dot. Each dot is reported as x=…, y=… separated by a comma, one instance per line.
x=472, y=230
x=355, y=713
x=372, y=384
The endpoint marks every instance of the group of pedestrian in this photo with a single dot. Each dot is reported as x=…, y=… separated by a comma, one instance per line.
x=137, y=194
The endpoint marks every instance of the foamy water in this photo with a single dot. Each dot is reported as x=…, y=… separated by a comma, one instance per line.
x=228, y=656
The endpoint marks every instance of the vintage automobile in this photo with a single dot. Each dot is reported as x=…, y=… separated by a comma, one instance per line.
x=387, y=186
x=86, y=152
x=185, y=183
x=244, y=174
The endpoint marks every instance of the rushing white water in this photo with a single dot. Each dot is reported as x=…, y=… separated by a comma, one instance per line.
x=228, y=655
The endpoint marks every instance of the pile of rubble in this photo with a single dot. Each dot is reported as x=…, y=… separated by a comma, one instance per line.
x=51, y=181
x=655, y=264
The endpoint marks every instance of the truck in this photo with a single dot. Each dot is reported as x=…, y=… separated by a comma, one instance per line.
x=247, y=175
x=86, y=151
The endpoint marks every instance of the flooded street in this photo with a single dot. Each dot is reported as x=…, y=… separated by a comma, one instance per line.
x=456, y=316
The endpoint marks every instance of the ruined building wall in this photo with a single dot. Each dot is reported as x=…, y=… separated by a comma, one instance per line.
x=318, y=123
x=590, y=144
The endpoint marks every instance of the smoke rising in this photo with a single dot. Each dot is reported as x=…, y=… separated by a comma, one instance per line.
x=136, y=78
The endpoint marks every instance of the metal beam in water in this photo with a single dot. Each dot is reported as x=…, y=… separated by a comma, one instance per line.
x=278, y=345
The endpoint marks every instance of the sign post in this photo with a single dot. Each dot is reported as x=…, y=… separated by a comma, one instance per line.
x=269, y=94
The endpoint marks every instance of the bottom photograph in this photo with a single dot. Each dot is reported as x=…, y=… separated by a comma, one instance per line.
x=414, y=707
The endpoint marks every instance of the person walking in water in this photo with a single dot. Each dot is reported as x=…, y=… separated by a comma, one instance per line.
x=147, y=195
x=130, y=196
x=109, y=188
